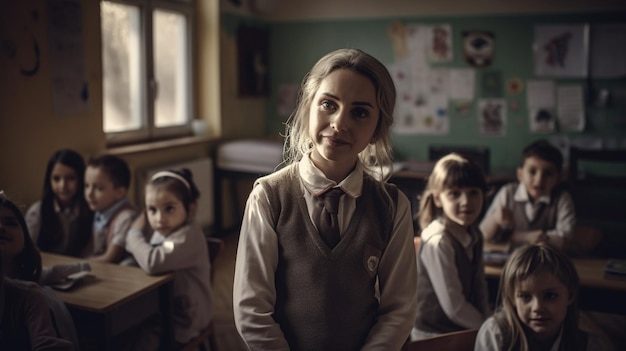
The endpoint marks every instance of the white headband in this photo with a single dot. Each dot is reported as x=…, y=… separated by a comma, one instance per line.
x=171, y=175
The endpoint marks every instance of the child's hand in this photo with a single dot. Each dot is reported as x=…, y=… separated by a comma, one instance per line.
x=504, y=218
x=140, y=222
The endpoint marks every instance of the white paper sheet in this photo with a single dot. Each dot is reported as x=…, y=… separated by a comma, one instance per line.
x=571, y=107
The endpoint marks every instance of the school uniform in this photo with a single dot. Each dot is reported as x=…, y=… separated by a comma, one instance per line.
x=554, y=214
x=451, y=286
x=25, y=319
x=68, y=218
x=111, y=226
x=294, y=292
x=185, y=254
x=490, y=338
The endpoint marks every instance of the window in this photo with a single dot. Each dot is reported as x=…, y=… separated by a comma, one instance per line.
x=147, y=69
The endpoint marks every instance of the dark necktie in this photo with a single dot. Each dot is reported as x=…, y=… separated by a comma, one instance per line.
x=325, y=216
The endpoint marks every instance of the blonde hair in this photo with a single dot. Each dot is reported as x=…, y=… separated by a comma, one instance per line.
x=377, y=155
x=523, y=263
x=451, y=171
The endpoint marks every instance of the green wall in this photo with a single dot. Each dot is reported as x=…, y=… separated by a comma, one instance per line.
x=295, y=46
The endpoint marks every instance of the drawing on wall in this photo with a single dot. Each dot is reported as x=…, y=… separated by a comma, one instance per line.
x=440, y=43
x=492, y=117
x=70, y=93
x=478, y=48
x=561, y=50
x=253, y=57
x=542, y=120
x=514, y=86
x=571, y=107
x=541, y=103
x=491, y=83
x=397, y=34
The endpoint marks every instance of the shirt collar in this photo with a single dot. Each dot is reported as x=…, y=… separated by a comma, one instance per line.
x=316, y=182
x=460, y=233
x=521, y=195
x=104, y=217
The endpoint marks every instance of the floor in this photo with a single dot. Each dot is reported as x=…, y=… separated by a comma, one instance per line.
x=226, y=336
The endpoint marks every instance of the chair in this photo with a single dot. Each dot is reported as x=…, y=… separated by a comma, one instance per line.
x=456, y=341
x=215, y=246
x=597, y=182
x=597, y=179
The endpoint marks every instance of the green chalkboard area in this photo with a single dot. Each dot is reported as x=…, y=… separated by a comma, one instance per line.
x=295, y=46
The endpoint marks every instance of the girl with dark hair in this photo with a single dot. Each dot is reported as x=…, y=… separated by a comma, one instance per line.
x=62, y=222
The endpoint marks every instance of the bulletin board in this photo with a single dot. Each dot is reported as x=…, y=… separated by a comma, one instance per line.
x=500, y=85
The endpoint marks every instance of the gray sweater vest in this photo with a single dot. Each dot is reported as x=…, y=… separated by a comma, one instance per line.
x=430, y=316
x=546, y=219
x=325, y=300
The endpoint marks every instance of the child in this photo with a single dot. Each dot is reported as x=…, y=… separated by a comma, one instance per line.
x=177, y=245
x=61, y=222
x=107, y=179
x=25, y=320
x=535, y=209
x=451, y=290
x=537, y=305
x=30, y=316
x=356, y=290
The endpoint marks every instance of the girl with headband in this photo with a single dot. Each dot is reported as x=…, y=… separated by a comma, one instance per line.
x=177, y=245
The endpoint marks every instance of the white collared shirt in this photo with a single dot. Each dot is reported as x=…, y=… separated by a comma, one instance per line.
x=565, y=213
x=439, y=260
x=254, y=292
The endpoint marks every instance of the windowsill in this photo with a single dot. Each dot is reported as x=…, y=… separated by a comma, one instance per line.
x=158, y=145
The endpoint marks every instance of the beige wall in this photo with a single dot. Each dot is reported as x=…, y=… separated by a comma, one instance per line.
x=29, y=130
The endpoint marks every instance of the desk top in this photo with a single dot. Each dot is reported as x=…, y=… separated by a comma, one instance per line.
x=590, y=271
x=107, y=286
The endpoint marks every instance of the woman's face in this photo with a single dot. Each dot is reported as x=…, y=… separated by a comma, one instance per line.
x=64, y=183
x=11, y=234
x=342, y=118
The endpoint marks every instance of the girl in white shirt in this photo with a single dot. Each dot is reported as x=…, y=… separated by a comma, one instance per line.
x=538, y=305
x=451, y=288
x=177, y=245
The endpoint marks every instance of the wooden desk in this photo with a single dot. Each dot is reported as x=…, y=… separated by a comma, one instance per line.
x=113, y=299
x=596, y=292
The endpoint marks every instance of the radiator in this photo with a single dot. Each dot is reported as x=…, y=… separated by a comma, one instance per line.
x=202, y=170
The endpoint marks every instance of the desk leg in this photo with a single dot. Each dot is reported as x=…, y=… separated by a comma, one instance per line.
x=166, y=292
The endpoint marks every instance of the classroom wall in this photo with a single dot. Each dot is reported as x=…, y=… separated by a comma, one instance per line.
x=30, y=131
x=296, y=43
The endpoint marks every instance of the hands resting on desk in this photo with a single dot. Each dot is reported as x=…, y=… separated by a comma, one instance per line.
x=64, y=275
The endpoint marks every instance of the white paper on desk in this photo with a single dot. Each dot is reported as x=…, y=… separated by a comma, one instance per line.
x=571, y=107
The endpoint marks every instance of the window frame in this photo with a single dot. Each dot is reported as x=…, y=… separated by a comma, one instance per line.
x=148, y=131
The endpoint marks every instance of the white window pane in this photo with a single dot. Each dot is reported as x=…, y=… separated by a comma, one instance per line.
x=170, y=68
x=121, y=55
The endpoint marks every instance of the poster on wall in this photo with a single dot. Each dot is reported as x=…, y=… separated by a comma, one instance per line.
x=70, y=91
x=571, y=107
x=478, y=48
x=561, y=50
x=440, y=43
x=492, y=116
x=541, y=104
